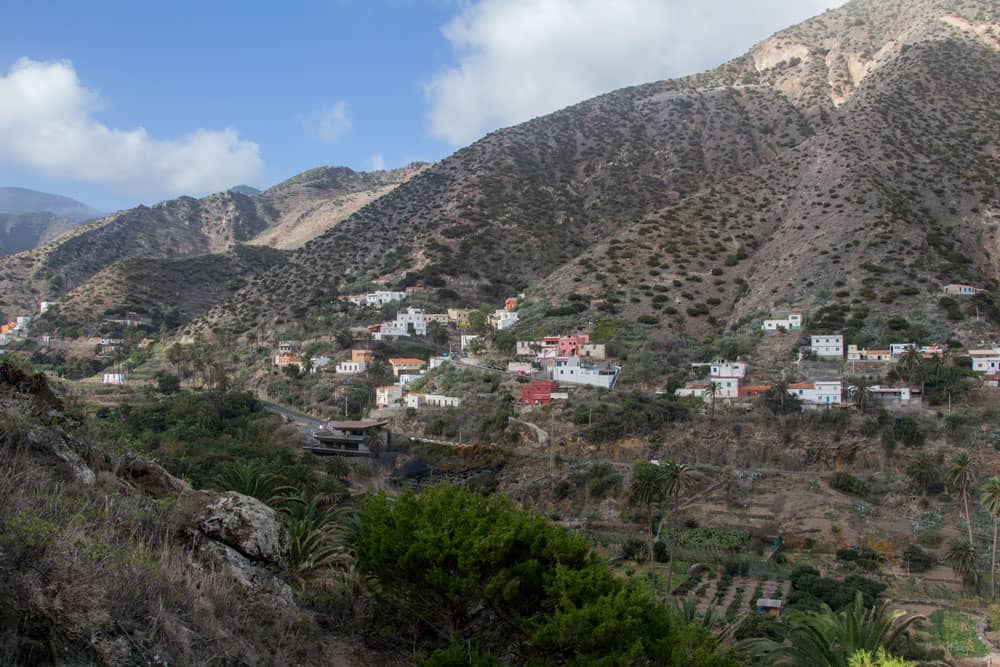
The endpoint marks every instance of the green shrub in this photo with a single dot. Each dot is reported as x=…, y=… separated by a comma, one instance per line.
x=848, y=483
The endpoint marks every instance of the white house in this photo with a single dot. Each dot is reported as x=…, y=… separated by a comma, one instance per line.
x=818, y=393
x=316, y=363
x=890, y=395
x=351, y=367
x=467, y=339
x=571, y=370
x=898, y=349
x=695, y=388
x=727, y=369
x=414, y=400
x=21, y=323
x=382, y=297
x=414, y=317
x=389, y=330
x=504, y=319
x=960, y=290
x=791, y=322
x=44, y=306
x=114, y=378
x=827, y=346
x=986, y=363
x=388, y=395
x=438, y=361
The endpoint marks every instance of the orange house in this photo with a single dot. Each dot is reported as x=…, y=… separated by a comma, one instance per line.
x=362, y=356
x=404, y=364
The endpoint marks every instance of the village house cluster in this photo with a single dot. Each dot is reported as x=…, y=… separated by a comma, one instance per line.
x=568, y=359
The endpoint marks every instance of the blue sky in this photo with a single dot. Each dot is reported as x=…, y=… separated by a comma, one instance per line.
x=304, y=84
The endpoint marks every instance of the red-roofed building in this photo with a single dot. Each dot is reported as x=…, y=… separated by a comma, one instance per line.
x=538, y=392
x=753, y=390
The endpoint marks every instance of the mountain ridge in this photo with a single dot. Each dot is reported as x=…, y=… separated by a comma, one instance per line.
x=517, y=206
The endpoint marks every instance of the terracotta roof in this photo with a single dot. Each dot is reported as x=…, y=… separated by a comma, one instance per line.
x=406, y=360
x=802, y=385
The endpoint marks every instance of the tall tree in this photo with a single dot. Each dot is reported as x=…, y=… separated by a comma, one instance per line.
x=647, y=491
x=711, y=391
x=678, y=478
x=862, y=392
x=961, y=558
x=961, y=479
x=923, y=471
x=989, y=498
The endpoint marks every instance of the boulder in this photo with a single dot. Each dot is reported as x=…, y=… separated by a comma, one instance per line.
x=54, y=444
x=152, y=479
x=243, y=523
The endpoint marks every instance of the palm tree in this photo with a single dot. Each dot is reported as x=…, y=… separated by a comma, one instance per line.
x=961, y=558
x=711, y=389
x=320, y=539
x=989, y=498
x=923, y=471
x=678, y=477
x=909, y=364
x=647, y=491
x=961, y=479
x=828, y=639
x=253, y=479
x=862, y=392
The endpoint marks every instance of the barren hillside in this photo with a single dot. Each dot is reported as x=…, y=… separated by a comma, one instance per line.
x=850, y=157
x=287, y=214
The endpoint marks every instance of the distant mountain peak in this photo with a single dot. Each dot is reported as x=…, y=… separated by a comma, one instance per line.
x=248, y=190
x=15, y=200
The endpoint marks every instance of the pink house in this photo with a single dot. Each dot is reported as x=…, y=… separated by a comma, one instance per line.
x=568, y=345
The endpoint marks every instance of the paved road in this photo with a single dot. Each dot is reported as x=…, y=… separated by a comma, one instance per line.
x=297, y=417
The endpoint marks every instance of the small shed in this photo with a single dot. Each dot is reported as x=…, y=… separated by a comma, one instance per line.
x=769, y=607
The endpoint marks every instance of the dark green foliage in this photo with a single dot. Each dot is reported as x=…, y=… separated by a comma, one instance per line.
x=848, y=483
x=603, y=480
x=449, y=566
x=614, y=417
x=810, y=590
x=917, y=559
x=863, y=557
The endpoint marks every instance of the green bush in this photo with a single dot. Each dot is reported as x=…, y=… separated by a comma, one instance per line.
x=848, y=483
x=450, y=566
x=604, y=480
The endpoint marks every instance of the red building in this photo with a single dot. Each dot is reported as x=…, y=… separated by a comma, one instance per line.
x=753, y=390
x=538, y=392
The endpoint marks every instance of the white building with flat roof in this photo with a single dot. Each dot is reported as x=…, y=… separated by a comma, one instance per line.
x=349, y=367
x=827, y=346
x=570, y=370
x=727, y=369
x=791, y=322
x=818, y=393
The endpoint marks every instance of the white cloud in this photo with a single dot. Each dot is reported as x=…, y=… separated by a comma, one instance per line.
x=327, y=123
x=517, y=59
x=376, y=162
x=48, y=124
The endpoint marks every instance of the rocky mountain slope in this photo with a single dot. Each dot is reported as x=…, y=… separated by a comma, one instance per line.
x=167, y=292
x=113, y=561
x=24, y=231
x=847, y=162
x=282, y=216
